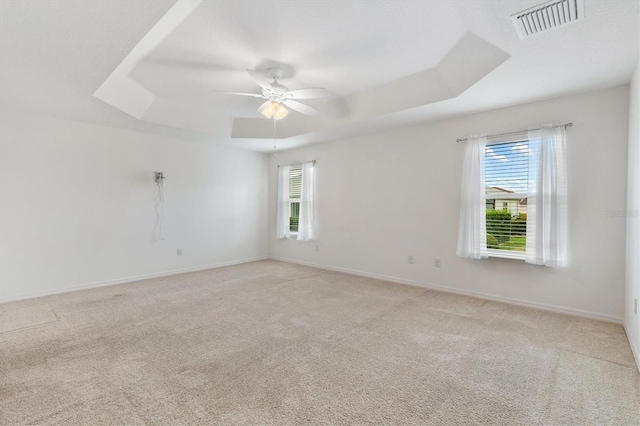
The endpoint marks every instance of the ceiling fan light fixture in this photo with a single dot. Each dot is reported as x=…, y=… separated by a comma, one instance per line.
x=275, y=110
x=281, y=112
x=276, y=95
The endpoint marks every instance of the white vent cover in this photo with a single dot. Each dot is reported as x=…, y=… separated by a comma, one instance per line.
x=546, y=16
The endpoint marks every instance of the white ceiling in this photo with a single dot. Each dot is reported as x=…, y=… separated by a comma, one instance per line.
x=386, y=63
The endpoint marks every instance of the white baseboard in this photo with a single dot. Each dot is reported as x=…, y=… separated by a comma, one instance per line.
x=634, y=349
x=476, y=294
x=128, y=279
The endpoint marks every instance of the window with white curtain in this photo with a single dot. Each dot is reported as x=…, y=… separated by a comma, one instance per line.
x=514, y=197
x=296, y=210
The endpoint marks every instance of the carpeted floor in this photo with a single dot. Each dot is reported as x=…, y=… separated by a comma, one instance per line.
x=275, y=343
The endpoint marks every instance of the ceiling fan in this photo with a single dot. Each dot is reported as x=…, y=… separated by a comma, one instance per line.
x=277, y=95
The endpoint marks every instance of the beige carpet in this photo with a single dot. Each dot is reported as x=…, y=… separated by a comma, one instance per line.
x=276, y=343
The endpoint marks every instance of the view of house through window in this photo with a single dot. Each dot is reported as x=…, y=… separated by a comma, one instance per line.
x=295, y=188
x=507, y=181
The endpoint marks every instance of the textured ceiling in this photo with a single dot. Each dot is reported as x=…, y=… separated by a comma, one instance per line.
x=385, y=63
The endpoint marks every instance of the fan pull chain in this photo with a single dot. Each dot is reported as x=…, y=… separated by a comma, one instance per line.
x=275, y=151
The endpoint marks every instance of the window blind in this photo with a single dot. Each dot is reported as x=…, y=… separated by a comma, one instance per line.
x=295, y=183
x=506, y=187
x=295, y=190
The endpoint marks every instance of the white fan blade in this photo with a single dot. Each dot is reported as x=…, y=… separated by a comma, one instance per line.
x=253, y=95
x=263, y=106
x=261, y=79
x=297, y=106
x=309, y=93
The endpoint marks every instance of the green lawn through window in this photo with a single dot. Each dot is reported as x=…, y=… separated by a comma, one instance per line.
x=515, y=243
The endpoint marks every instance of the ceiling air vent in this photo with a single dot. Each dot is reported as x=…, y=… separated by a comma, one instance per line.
x=546, y=16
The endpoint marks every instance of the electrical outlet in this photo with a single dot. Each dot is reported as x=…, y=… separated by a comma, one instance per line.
x=317, y=248
x=179, y=252
x=410, y=259
x=635, y=306
x=436, y=262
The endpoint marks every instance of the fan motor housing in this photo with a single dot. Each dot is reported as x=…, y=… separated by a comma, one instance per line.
x=276, y=73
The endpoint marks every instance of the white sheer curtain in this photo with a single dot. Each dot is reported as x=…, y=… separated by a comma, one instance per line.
x=547, y=197
x=283, y=208
x=472, y=233
x=307, y=228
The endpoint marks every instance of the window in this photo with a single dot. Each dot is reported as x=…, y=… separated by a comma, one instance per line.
x=296, y=210
x=506, y=177
x=524, y=176
x=295, y=189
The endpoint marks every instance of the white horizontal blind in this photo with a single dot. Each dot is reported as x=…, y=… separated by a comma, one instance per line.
x=295, y=189
x=506, y=185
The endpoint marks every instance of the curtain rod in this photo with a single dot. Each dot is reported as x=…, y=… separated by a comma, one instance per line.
x=513, y=133
x=296, y=163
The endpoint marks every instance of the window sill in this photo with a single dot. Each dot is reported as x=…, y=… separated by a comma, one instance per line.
x=505, y=254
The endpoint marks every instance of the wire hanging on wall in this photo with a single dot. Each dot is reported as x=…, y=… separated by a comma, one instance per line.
x=160, y=178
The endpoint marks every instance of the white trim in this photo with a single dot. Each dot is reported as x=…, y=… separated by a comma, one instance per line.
x=635, y=351
x=476, y=294
x=506, y=254
x=125, y=280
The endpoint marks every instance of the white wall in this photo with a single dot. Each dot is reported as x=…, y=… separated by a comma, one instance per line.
x=77, y=205
x=384, y=196
x=632, y=319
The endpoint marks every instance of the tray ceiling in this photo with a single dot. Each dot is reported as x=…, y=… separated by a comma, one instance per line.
x=153, y=64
